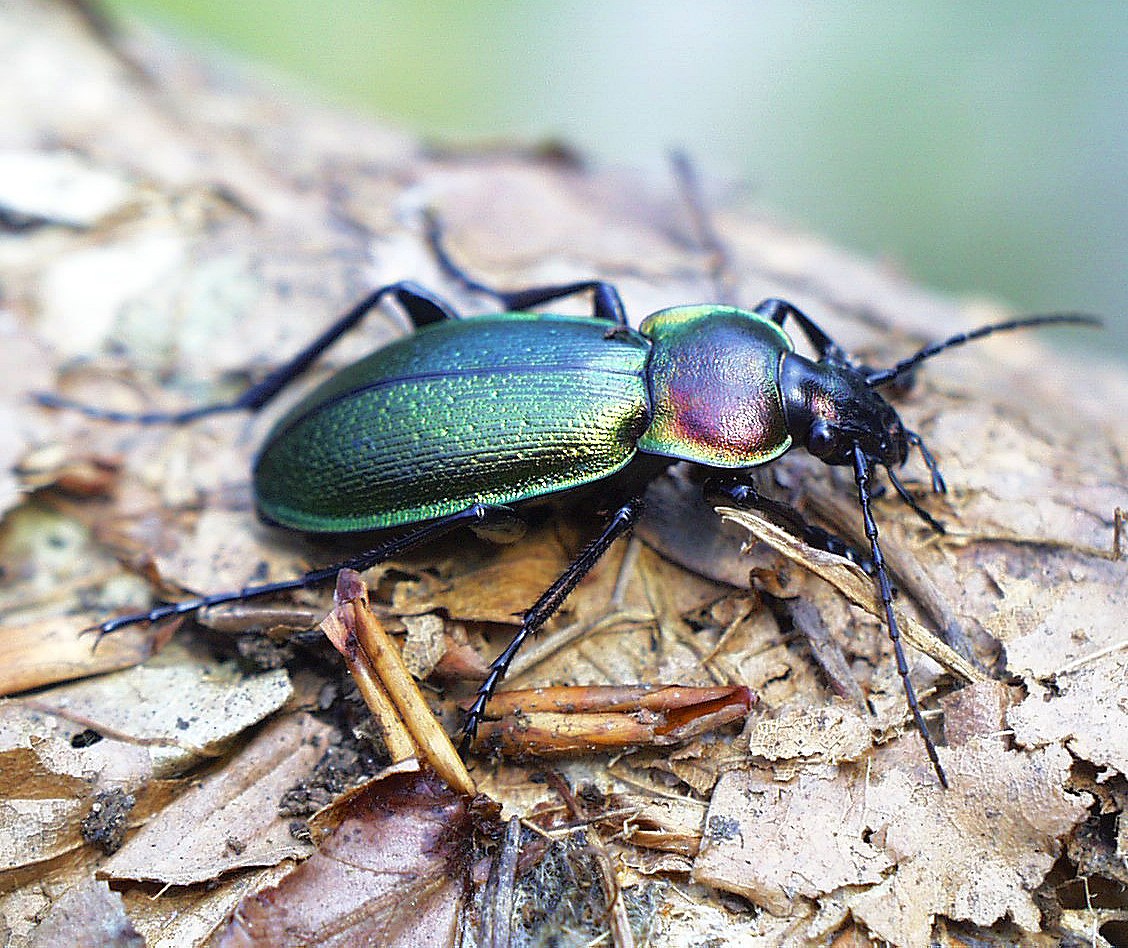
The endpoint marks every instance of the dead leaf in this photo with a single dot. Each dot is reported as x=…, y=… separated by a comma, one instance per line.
x=393, y=873
x=214, y=704
x=86, y=916
x=901, y=852
x=230, y=820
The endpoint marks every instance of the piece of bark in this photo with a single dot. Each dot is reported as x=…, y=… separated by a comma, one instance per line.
x=172, y=226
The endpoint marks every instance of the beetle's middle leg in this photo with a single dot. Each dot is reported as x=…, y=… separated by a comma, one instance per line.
x=606, y=302
x=542, y=610
x=736, y=490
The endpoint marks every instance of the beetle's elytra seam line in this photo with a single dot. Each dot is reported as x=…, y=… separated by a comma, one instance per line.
x=447, y=374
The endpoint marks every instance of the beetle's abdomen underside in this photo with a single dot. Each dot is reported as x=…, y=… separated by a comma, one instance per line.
x=495, y=410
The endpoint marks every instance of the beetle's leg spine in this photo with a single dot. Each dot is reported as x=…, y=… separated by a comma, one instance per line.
x=316, y=577
x=543, y=609
x=862, y=470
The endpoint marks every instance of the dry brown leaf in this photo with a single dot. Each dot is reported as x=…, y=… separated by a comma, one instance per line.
x=1086, y=711
x=977, y=857
x=230, y=820
x=86, y=915
x=49, y=780
x=770, y=842
x=501, y=582
x=214, y=704
x=172, y=916
x=833, y=733
x=1072, y=650
x=901, y=852
x=854, y=584
x=393, y=873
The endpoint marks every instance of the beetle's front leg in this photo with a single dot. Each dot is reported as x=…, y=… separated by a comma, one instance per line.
x=542, y=610
x=737, y=490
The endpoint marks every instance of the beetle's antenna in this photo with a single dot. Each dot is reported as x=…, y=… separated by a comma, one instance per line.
x=885, y=590
x=885, y=376
x=689, y=183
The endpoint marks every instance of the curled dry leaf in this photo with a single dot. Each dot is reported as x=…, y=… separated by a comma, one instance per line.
x=854, y=585
x=387, y=686
x=395, y=872
x=588, y=718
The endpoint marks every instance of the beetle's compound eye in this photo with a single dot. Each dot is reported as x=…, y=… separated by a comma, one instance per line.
x=822, y=441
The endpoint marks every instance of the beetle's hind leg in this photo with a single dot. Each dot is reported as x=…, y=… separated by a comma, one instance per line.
x=542, y=610
x=736, y=490
x=477, y=515
x=606, y=302
x=421, y=305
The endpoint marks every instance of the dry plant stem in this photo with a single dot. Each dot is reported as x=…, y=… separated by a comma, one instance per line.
x=397, y=740
x=497, y=920
x=573, y=699
x=1113, y=553
x=849, y=580
x=391, y=676
x=826, y=651
x=538, y=652
x=417, y=715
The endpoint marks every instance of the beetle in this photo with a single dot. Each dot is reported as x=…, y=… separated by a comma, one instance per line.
x=465, y=420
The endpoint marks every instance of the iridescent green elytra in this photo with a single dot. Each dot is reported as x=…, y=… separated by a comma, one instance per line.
x=504, y=408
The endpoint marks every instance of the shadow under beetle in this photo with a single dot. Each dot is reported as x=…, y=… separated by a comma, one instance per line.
x=465, y=418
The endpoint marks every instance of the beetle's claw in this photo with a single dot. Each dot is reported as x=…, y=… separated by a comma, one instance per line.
x=470, y=725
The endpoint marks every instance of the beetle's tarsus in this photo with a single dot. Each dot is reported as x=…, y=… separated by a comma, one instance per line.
x=938, y=485
x=360, y=562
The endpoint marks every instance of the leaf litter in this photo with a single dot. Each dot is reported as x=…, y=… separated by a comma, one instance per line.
x=822, y=818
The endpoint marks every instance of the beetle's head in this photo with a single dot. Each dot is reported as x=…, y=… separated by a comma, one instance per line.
x=830, y=408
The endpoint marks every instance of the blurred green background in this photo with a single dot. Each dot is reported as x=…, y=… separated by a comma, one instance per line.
x=983, y=148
